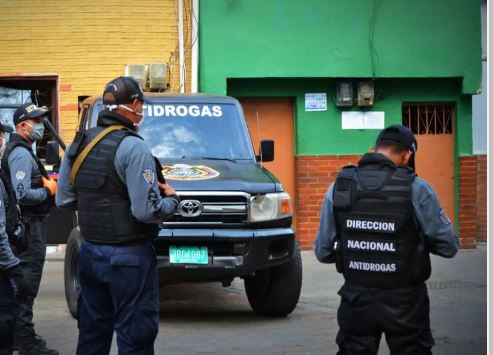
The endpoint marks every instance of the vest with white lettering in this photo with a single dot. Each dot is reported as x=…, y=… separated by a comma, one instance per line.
x=379, y=241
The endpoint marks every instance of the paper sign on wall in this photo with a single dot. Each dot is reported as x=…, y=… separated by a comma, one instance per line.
x=363, y=120
x=316, y=102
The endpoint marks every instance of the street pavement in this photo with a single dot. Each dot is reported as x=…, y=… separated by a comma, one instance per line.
x=210, y=319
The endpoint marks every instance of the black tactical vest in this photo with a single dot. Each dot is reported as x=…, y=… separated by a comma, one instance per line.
x=102, y=198
x=379, y=241
x=43, y=208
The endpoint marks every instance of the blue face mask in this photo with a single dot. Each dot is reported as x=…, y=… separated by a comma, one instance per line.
x=37, y=132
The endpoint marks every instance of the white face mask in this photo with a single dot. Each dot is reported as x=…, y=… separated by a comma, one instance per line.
x=141, y=114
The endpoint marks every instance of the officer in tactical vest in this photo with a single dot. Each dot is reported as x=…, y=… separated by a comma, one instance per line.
x=109, y=175
x=13, y=283
x=35, y=193
x=379, y=222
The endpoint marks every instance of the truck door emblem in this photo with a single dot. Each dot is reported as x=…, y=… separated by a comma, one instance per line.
x=190, y=208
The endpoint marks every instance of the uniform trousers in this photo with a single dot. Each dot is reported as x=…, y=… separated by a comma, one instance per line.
x=8, y=312
x=31, y=261
x=119, y=292
x=402, y=314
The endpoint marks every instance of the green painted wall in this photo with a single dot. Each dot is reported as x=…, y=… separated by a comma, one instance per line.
x=320, y=133
x=339, y=38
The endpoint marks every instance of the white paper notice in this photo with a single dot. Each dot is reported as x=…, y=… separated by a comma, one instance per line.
x=316, y=102
x=374, y=120
x=363, y=120
x=352, y=120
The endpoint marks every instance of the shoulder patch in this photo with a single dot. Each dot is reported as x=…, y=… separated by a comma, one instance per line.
x=444, y=217
x=19, y=175
x=148, y=176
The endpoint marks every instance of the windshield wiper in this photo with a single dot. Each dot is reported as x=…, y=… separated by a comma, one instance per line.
x=208, y=158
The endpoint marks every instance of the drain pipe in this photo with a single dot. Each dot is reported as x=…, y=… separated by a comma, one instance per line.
x=195, y=46
x=181, y=45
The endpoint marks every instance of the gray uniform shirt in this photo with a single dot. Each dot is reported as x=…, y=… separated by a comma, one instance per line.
x=7, y=257
x=437, y=231
x=22, y=166
x=135, y=165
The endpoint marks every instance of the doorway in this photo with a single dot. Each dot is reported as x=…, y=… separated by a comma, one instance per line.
x=433, y=127
x=40, y=90
x=272, y=118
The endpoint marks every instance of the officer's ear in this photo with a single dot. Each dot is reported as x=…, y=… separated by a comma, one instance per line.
x=406, y=157
x=372, y=150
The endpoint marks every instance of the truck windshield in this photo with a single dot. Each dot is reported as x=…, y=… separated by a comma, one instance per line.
x=193, y=130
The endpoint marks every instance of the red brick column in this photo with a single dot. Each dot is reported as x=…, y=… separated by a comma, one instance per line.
x=468, y=201
x=481, y=193
x=314, y=175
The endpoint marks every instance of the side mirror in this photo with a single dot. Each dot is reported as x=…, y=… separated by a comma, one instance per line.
x=266, y=151
x=52, y=153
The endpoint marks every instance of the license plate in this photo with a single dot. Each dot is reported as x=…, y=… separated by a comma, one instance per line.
x=188, y=255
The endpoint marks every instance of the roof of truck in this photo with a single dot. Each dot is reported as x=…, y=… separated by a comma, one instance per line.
x=176, y=97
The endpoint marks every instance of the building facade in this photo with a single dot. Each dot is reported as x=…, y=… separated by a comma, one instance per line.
x=60, y=52
x=287, y=60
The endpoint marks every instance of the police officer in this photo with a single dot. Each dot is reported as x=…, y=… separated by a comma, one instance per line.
x=3, y=130
x=35, y=193
x=12, y=280
x=117, y=195
x=378, y=223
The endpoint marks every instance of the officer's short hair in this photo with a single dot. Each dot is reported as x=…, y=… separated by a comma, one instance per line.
x=395, y=147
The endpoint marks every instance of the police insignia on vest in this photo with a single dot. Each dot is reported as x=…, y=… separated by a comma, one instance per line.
x=149, y=175
x=375, y=267
x=371, y=226
x=370, y=245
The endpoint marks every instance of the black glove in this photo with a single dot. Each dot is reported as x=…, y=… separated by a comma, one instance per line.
x=18, y=239
x=19, y=278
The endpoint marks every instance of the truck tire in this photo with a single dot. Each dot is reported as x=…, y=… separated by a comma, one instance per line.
x=275, y=291
x=71, y=274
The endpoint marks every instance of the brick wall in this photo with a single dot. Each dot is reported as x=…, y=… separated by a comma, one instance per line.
x=481, y=194
x=88, y=43
x=316, y=173
x=467, y=201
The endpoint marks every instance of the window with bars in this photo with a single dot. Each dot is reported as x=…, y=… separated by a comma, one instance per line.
x=429, y=118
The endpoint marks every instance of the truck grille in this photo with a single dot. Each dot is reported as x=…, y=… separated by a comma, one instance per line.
x=210, y=208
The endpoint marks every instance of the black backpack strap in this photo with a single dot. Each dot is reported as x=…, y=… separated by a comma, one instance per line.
x=343, y=186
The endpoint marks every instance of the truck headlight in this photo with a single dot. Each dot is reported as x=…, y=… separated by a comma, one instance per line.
x=270, y=206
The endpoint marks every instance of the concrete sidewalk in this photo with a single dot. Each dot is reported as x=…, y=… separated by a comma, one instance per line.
x=209, y=319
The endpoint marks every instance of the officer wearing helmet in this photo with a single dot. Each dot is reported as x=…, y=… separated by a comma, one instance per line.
x=109, y=176
x=378, y=224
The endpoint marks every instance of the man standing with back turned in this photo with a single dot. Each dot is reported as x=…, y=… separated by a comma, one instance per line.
x=379, y=222
x=109, y=176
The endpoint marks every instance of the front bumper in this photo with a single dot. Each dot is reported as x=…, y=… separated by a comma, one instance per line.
x=232, y=252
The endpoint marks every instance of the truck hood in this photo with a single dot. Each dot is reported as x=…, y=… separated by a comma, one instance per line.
x=219, y=175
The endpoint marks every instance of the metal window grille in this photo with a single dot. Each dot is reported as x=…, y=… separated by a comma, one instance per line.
x=429, y=118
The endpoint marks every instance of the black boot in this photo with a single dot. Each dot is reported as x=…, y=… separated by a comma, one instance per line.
x=35, y=346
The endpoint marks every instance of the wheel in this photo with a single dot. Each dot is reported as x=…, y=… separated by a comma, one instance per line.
x=71, y=272
x=275, y=291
